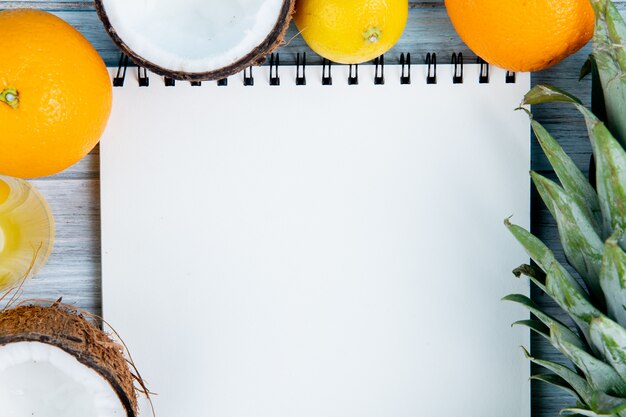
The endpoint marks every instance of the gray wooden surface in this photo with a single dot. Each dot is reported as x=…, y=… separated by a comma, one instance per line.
x=74, y=269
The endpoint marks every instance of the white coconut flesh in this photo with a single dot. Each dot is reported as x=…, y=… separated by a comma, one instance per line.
x=193, y=36
x=38, y=379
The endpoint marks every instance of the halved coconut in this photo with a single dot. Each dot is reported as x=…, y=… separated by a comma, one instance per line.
x=196, y=39
x=54, y=363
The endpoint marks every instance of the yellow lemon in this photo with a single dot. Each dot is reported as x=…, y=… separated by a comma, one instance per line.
x=351, y=31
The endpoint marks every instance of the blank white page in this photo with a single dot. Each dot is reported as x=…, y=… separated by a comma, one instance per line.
x=309, y=251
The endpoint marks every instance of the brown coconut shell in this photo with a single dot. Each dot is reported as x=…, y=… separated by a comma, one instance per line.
x=255, y=57
x=68, y=330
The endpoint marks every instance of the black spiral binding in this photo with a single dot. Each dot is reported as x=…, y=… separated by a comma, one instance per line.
x=353, y=76
x=405, y=75
x=120, y=75
x=248, y=79
x=274, y=63
x=142, y=76
x=379, y=73
x=457, y=74
x=483, y=75
x=431, y=61
x=301, y=69
x=327, y=77
x=510, y=77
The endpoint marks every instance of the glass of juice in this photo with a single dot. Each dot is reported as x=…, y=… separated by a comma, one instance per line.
x=26, y=232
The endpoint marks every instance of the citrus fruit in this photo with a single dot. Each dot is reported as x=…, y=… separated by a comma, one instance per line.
x=55, y=94
x=522, y=35
x=351, y=31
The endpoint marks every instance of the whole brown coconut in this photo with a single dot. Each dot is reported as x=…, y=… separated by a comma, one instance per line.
x=51, y=344
x=196, y=40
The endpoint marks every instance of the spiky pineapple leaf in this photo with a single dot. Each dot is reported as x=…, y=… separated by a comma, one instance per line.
x=616, y=28
x=575, y=412
x=556, y=381
x=546, y=94
x=613, y=278
x=568, y=293
x=600, y=376
x=610, y=57
x=610, y=160
x=609, y=155
x=583, y=247
x=616, y=412
x=610, y=339
x=534, y=325
x=547, y=320
x=535, y=248
x=572, y=179
x=597, y=94
x=577, y=384
x=608, y=404
x=586, y=69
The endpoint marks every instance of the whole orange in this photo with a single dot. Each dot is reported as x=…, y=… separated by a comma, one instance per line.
x=522, y=35
x=55, y=94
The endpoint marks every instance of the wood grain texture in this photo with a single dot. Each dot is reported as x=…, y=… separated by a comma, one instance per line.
x=74, y=269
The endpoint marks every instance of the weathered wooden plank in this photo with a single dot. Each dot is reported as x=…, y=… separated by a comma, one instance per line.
x=73, y=270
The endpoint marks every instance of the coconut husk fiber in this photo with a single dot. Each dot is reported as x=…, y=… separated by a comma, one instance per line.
x=255, y=57
x=67, y=329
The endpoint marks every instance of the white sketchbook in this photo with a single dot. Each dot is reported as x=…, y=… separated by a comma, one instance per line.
x=315, y=250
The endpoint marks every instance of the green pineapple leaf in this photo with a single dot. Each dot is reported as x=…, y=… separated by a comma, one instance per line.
x=535, y=248
x=610, y=58
x=610, y=339
x=576, y=412
x=566, y=291
x=534, y=325
x=586, y=69
x=600, y=376
x=578, y=385
x=547, y=94
x=579, y=412
x=556, y=381
x=597, y=95
x=608, y=404
x=573, y=180
x=613, y=278
x=609, y=155
x=610, y=160
x=546, y=319
x=582, y=245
